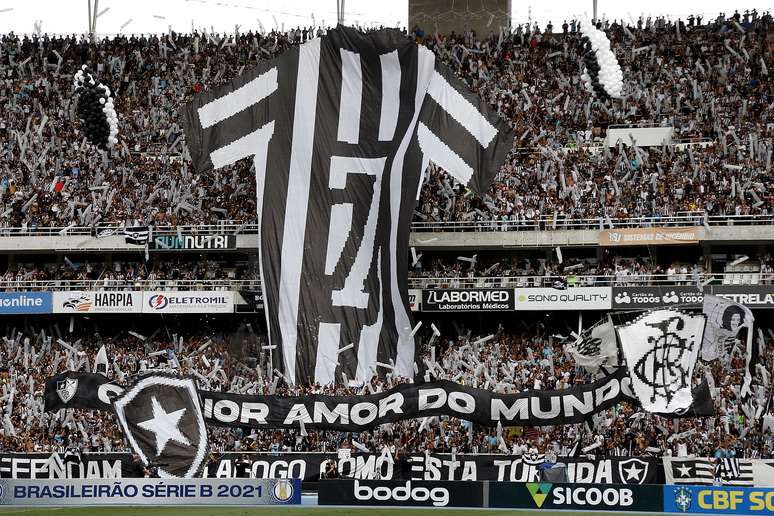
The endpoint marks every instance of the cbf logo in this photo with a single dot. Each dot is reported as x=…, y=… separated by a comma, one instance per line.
x=683, y=498
x=158, y=302
x=283, y=490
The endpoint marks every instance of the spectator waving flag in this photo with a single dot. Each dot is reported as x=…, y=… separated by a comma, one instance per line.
x=348, y=123
x=661, y=348
x=726, y=322
x=596, y=347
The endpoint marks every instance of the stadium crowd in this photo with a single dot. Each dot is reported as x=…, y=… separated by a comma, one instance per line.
x=526, y=272
x=531, y=357
x=610, y=269
x=122, y=275
x=707, y=78
x=710, y=80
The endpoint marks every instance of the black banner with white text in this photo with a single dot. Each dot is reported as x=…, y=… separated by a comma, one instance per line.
x=311, y=467
x=361, y=412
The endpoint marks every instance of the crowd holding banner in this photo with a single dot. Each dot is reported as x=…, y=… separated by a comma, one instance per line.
x=502, y=468
x=311, y=467
x=358, y=413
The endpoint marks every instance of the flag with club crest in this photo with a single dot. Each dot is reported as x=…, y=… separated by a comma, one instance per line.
x=161, y=417
x=661, y=348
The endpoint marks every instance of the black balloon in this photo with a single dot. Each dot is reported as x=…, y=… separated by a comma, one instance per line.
x=94, y=120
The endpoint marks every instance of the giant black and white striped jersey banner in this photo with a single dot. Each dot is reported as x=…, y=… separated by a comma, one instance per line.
x=340, y=131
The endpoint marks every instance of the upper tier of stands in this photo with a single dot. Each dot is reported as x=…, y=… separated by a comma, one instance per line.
x=709, y=82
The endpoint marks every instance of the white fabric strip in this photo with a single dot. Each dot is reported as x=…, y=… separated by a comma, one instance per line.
x=461, y=110
x=351, y=97
x=440, y=154
x=328, y=336
x=404, y=365
x=353, y=294
x=338, y=233
x=297, y=200
x=388, y=117
x=368, y=346
x=422, y=173
x=259, y=163
x=238, y=100
x=251, y=144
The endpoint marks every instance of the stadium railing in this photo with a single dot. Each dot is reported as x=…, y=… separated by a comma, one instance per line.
x=640, y=280
x=228, y=227
x=416, y=282
x=548, y=223
x=126, y=285
x=540, y=223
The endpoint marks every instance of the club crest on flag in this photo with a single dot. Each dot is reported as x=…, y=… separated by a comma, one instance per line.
x=162, y=419
x=66, y=389
x=633, y=471
x=661, y=348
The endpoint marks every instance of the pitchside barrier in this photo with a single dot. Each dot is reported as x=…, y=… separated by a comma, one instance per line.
x=718, y=499
x=309, y=467
x=505, y=495
x=149, y=491
x=549, y=496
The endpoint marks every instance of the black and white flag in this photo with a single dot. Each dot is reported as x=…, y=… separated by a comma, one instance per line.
x=76, y=389
x=162, y=419
x=728, y=469
x=660, y=349
x=701, y=471
x=104, y=230
x=138, y=235
x=726, y=323
x=340, y=131
x=596, y=347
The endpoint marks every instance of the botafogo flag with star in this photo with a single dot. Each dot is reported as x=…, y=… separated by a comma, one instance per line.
x=161, y=417
x=340, y=131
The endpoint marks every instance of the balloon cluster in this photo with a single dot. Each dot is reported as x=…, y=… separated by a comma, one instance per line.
x=95, y=109
x=602, y=76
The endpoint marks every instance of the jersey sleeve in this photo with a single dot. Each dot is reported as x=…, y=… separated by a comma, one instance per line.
x=221, y=124
x=460, y=133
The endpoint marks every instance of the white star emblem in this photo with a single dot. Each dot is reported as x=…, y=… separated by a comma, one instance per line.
x=165, y=426
x=633, y=472
x=685, y=470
